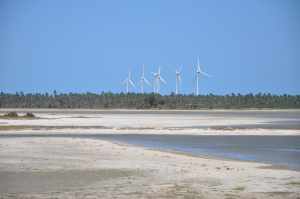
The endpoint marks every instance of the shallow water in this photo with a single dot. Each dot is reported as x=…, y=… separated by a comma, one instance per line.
x=277, y=150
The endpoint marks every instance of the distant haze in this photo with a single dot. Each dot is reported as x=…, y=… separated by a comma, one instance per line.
x=79, y=46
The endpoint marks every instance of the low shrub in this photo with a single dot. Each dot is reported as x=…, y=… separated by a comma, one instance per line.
x=11, y=114
x=31, y=115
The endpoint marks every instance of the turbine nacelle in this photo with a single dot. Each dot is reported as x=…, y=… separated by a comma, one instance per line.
x=178, y=73
x=199, y=72
x=157, y=79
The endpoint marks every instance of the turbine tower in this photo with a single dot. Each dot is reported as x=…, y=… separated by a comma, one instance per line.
x=157, y=79
x=199, y=72
x=178, y=80
x=128, y=82
x=144, y=80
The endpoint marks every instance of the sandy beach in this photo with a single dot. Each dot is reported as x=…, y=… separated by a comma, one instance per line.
x=48, y=167
x=85, y=168
x=218, y=122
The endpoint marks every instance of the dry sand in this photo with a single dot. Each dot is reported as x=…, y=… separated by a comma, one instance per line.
x=159, y=122
x=86, y=168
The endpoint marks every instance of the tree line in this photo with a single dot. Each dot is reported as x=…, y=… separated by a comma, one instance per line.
x=147, y=101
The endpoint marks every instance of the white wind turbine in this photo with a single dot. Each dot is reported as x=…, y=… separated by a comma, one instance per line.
x=199, y=72
x=128, y=82
x=144, y=80
x=178, y=80
x=157, y=79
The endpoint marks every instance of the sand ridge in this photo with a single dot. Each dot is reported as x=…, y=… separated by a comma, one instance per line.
x=187, y=122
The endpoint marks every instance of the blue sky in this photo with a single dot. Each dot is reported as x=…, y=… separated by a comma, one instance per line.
x=80, y=46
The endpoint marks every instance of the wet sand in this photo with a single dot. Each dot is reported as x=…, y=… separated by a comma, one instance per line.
x=86, y=168
x=46, y=167
x=51, y=181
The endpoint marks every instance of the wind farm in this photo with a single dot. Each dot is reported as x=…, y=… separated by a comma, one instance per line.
x=158, y=79
x=157, y=99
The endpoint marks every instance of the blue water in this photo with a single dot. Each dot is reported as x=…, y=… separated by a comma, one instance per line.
x=276, y=150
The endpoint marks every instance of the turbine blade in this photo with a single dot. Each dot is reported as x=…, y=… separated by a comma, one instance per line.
x=198, y=68
x=147, y=82
x=205, y=74
x=154, y=74
x=131, y=82
x=143, y=72
x=162, y=80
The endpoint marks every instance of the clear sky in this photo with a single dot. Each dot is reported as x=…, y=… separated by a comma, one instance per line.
x=79, y=46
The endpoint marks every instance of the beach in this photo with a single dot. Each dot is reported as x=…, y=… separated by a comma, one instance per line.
x=186, y=122
x=74, y=167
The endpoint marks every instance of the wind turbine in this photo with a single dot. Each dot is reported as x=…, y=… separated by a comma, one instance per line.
x=178, y=80
x=144, y=80
x=199, y=72
x=157, y=79
x=128, y=82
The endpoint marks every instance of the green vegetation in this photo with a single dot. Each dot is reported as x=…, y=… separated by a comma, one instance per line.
x=29, y=115
x=11, y=115
x=14, y=127
x=147, y=101
x=295, y=183
x=239, y=188
x=14, y=115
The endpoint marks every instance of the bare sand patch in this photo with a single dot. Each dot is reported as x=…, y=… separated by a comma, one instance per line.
x=49, y=181
x=80, y=168
x=86, y=168
x=160, y=122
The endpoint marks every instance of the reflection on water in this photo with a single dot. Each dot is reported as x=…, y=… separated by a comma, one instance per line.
x=277, y=150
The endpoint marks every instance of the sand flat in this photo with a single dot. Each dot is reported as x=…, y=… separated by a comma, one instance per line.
x=221, y=122
x=110, y=170
x=88, y=168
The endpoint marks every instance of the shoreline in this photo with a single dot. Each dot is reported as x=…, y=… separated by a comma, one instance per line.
x=37, y=134
x=120, y=170
x=70, y=166
x=162, y=122
x=208, y=157
x=21, y=130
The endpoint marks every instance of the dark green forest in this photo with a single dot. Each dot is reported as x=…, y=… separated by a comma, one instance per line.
x=147, y=101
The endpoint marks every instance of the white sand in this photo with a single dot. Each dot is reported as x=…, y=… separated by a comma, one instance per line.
x=150, y=123
x=107, y=170
x=156, y=174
